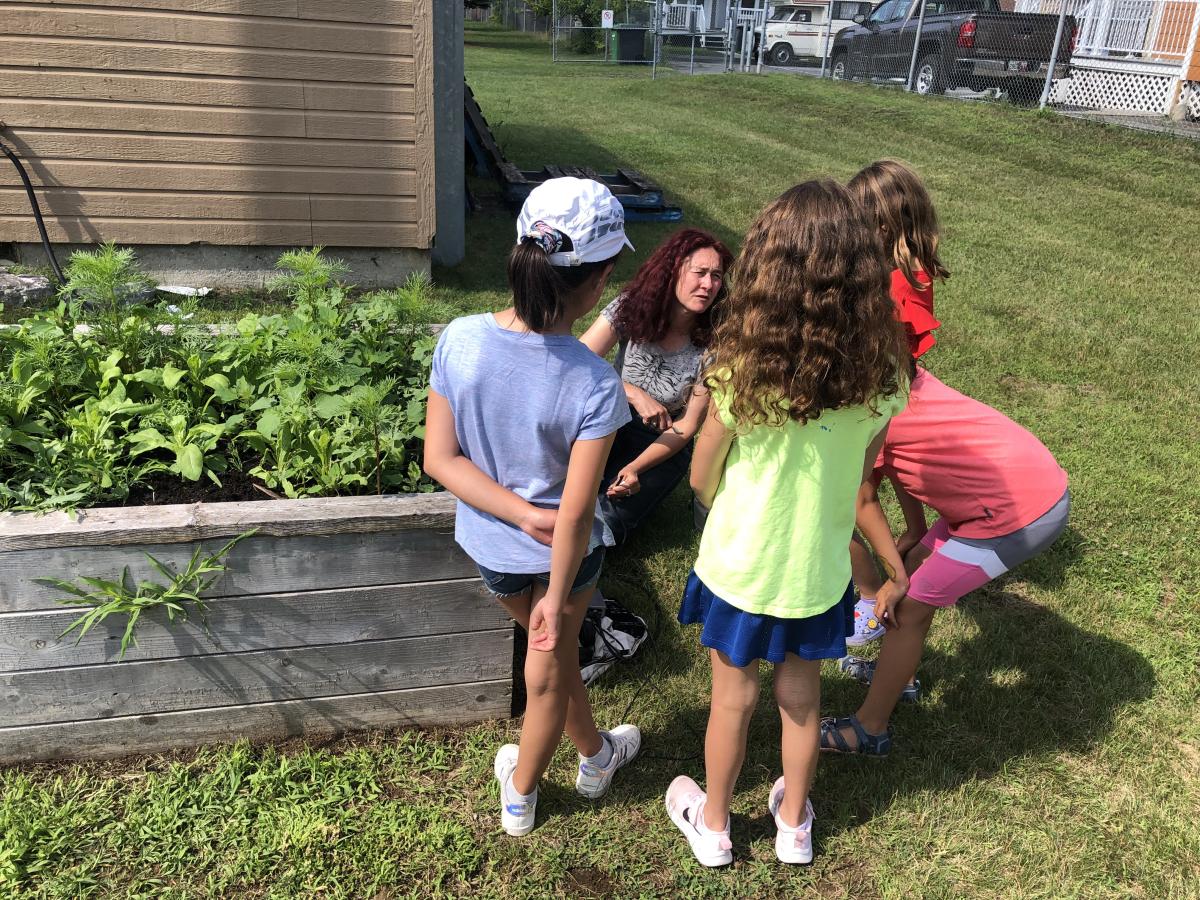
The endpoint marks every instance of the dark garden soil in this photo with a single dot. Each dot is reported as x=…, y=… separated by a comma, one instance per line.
x=167, y=487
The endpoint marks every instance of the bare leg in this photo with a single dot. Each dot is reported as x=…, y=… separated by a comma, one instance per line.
x=898, y=661
x=798, y=693
x=734, y=695
x=557, y=698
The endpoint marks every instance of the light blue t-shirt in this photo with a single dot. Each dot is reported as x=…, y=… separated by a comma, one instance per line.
x=520, y=400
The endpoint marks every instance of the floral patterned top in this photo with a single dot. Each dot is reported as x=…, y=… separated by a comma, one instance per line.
x=666, y=375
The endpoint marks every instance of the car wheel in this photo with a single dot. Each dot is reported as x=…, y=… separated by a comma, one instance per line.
x=837, y=71
x=781, y=55
x=929, y=76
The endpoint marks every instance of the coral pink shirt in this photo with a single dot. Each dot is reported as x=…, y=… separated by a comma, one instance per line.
x=981, y=471
x=915, y=309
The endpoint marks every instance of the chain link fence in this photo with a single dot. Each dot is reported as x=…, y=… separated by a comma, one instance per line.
x=1112, y=59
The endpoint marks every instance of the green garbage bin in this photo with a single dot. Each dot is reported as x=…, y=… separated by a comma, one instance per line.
x=629, y=43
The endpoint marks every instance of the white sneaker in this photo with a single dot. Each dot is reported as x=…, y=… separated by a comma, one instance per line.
x=792, y=845
x=866, y=626
x=685, y=806
x=517, y=818
x=592, y=781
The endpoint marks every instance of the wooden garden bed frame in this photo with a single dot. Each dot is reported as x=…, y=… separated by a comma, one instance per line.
x=336, y=615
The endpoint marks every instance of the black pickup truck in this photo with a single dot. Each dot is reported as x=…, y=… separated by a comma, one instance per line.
x=964, y=43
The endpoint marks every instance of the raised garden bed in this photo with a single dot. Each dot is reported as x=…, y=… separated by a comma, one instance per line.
x=335, y=615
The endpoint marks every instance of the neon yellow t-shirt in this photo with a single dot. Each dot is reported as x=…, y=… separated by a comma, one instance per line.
x=778, y=536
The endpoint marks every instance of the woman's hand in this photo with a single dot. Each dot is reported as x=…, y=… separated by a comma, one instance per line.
x=626, y=484
x=650, y=410
x=538, y=523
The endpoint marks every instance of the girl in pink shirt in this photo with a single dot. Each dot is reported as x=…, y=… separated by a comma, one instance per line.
x=1001, y=499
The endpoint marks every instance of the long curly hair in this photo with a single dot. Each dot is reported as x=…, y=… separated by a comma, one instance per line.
x=896, y=201
x=809, y=324
x=644, y=313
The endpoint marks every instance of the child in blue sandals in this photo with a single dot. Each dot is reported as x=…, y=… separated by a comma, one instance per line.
x=809, y=368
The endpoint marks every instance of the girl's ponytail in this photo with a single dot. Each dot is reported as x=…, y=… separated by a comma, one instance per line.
x=540, y=289
x=536, y=286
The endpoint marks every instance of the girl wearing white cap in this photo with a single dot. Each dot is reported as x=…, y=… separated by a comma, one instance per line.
x=520, y=421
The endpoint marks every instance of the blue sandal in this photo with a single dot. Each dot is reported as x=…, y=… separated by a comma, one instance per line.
x=864, y=670
x=868, y=744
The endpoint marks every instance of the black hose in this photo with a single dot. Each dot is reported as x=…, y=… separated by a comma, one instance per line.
x=37, y=212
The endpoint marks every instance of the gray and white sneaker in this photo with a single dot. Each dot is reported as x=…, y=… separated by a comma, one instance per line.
x=516, y=817
x=593, y=781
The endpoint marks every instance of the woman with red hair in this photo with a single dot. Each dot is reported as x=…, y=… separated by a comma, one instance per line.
x=662, y=325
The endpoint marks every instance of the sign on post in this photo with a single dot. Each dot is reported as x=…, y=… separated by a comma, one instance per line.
x=606, y=19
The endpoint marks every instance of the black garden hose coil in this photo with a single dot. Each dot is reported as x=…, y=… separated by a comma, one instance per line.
x=37, y=211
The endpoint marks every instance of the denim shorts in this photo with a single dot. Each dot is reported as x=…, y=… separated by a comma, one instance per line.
x=503, y=585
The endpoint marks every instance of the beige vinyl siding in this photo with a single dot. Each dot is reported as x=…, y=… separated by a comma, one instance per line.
x=255, y=122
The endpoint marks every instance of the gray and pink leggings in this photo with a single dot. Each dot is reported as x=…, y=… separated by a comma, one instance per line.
x=959, y=565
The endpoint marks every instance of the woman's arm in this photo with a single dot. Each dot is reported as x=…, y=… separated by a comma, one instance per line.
x=445, y=463
x=873, y=525
x=600, y=338
x=576, y=513
x=674, y=439
x=708, y=459
x=914, y=518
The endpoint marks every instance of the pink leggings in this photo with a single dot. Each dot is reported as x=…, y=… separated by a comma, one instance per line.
x=959, y=565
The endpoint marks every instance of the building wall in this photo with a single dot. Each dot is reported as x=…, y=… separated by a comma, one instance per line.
x=228, y=122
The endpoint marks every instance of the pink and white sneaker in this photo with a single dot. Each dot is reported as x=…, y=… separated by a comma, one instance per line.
x=792, y=845
x=685, y=806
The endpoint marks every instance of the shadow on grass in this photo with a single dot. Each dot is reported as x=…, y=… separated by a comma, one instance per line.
x=1024, y=682
x=491, y=227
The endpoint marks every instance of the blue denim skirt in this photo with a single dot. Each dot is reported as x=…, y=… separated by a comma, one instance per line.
x=744, y=636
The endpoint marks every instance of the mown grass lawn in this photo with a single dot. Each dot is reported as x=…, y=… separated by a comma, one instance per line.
x=1057, y=752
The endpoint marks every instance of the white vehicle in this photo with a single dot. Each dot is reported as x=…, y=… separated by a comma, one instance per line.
x=798, y=29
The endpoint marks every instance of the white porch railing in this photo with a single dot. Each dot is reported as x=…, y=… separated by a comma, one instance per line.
x=684, y=17
x=1135, y=29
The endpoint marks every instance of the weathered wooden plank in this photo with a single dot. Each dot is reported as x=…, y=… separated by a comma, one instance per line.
x=183, y=522
x=211, y=177
x=130, y=56
x=424, y=122
x=154, y=88
x=242, y=93
x=43, y=145
x=444, y=705
x=396, y=12
x=258, y=622
x=180, y=27
x=137, y=688
x=96, y=230
x=168, y=119
x=359, y=97
x=278, y=8
x=259, y=564
x=267, y=232
x=388, y=12
x=367, y=234
x=150, y=204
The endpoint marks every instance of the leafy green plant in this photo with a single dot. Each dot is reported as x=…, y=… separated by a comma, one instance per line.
x=324, y=399
x=181, y=593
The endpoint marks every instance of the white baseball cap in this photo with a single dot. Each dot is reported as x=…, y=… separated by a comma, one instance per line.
x=585, y=211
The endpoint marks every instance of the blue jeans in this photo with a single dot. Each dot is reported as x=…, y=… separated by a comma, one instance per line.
x=622, y=515
x=503, y=585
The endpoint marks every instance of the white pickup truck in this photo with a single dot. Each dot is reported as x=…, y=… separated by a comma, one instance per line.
x=798, y=29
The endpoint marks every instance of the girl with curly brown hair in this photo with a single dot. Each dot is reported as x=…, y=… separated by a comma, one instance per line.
x=809, y=366
x=662, y=326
